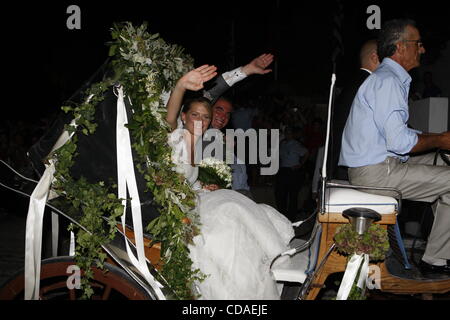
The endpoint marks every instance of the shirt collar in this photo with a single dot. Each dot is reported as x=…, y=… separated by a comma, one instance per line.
x=366, y=70
x=399, y=71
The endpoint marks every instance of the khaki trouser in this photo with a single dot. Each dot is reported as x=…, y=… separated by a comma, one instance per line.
x=418, y=180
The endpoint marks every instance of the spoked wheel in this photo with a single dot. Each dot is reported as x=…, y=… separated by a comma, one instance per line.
x=115, y=284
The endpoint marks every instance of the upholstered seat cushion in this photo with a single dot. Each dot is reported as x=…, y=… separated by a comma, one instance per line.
x=340, y=199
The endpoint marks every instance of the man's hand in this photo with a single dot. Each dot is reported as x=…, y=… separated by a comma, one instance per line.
x=428, y=141
x=259, y=65
x=194, y=79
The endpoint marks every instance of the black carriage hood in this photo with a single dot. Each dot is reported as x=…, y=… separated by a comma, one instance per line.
x=96, y=158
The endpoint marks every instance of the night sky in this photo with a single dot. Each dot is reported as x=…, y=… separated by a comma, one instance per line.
x=45, y=62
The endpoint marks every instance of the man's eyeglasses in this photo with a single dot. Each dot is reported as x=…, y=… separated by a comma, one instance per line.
x=418, y=42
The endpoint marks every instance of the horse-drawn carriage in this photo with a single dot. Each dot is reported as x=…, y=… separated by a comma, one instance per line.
x=133, y=258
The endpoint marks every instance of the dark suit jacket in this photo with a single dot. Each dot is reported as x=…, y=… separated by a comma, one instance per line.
x=219, y=87
x=340, y=115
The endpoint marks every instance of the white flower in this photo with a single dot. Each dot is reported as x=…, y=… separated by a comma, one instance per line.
x=220, y=167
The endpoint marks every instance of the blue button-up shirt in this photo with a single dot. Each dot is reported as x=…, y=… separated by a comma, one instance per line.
x=376, y=127
x=239, y=177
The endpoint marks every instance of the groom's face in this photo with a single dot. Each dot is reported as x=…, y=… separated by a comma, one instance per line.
x=221, y=114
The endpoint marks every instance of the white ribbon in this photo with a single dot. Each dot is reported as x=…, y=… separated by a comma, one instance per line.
x=33, y=234
x=364, y=273
x=38, y=199
x=126, y=180
x=351, y=271
x=55, y=233
x=72, y=244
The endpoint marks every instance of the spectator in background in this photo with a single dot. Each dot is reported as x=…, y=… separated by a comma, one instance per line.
x=289, y=180
x=313, y=138
x=368, y=59
x=243, y=116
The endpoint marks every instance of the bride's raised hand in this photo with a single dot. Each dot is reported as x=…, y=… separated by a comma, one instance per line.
x=194, y=79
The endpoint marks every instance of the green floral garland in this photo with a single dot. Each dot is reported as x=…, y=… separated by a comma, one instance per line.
x=147, y=68
x=374, y=242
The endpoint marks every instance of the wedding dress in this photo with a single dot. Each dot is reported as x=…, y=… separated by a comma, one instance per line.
x=238, y=239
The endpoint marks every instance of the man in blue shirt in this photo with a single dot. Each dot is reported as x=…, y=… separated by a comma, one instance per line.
x=377, y=143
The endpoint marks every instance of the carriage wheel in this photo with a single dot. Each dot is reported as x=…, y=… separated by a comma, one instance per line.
x=115, y=284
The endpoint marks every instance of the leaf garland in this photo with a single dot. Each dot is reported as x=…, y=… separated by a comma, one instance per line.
x=374, y=242
x=147, y=68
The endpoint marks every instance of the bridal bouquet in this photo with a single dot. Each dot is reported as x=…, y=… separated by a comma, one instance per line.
x=214, y=171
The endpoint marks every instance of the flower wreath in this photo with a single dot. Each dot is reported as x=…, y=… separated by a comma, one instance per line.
x=374, y=242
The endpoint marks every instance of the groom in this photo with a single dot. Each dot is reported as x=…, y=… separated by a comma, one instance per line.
x=222, y=109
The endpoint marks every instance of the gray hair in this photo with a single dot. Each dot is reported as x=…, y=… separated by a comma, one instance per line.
x=392, y=32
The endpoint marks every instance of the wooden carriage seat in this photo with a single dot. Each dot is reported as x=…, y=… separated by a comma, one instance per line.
x=340, y=199
x=152, y=249
x=337, y=200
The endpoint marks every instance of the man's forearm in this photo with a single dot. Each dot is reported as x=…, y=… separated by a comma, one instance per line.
x=428, y=141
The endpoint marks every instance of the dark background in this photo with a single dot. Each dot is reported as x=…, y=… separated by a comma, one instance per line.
x=44, y=62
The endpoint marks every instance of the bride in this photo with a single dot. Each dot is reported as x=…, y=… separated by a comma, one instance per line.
x=239, y=238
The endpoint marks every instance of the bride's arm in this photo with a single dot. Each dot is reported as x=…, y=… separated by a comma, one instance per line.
x=193, y=80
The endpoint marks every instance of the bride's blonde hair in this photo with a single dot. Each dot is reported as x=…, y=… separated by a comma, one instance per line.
x=189, y=102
